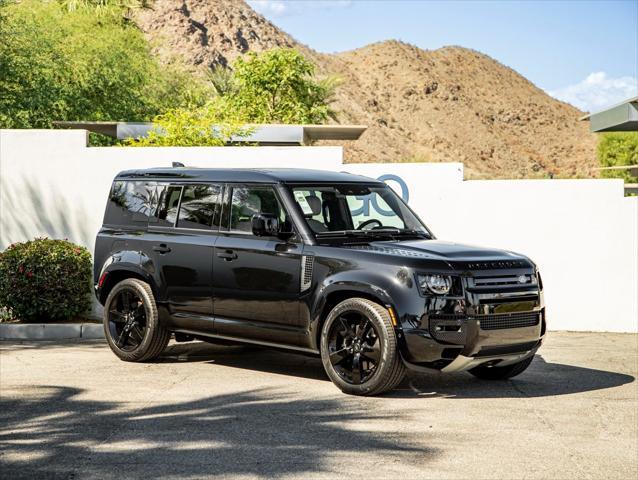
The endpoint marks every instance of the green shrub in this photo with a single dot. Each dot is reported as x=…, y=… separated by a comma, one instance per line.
x=45, y=280
x=66, y=61
x=276, y=86
x=618, y=149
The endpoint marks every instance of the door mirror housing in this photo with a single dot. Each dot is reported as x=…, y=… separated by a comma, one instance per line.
x=265, y=225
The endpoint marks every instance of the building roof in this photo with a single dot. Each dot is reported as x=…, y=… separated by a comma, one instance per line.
x=247, y=175
x=270, y=134
x=622, y=117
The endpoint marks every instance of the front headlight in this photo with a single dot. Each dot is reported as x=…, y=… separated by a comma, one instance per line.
x=435, y=283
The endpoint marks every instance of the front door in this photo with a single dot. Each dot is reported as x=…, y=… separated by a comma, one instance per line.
x=256, y=281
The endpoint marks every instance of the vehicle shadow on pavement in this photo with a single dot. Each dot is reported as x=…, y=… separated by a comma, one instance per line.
x=248, y=358
x=541, y=379
x=59, y=432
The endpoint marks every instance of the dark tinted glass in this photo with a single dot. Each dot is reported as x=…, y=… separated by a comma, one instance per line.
x=168, y=205
x=199, y=207
x=247, y=201
x=130, y=203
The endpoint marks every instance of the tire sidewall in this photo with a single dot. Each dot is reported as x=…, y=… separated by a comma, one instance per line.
x=151, y=318
x=380, y=375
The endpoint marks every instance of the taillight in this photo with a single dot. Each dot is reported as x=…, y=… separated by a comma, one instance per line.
x=101, y=281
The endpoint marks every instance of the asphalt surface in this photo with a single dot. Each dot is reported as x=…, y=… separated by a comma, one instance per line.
x=73, y=410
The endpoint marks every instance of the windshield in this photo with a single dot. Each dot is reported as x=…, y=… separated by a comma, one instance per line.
x=356, y=210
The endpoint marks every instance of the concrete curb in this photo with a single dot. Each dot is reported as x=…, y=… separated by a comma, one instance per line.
x=51, y=331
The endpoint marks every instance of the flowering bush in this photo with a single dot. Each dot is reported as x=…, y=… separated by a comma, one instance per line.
x=45, y=280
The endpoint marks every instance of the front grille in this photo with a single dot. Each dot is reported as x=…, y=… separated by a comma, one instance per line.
x=519, y=280
x=510, y=320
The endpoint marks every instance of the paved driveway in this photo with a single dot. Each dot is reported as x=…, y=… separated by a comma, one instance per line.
x=75, y=411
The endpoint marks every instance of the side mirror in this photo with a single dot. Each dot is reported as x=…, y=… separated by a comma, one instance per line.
x=265, y=225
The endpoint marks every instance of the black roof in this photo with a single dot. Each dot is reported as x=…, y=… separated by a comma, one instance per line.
x=249, y=175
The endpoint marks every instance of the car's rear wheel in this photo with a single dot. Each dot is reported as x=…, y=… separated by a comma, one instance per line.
x=501, y=373
x=359, y=348
x=131, y=322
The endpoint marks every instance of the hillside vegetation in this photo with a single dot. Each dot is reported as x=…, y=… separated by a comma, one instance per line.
x=133, y=60
x=451, y=104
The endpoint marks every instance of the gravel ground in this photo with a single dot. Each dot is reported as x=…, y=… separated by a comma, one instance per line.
x=73, y=410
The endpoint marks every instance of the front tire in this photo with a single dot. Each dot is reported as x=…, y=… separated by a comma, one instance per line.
x=131, y=322
x=359, y=348
x=501, y=373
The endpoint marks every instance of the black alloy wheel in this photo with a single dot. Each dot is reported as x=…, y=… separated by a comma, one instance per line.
x=359, y=349
x=131, y=322
x=354, y=348
x=127, y=320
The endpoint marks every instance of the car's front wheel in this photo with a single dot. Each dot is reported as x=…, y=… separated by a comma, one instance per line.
x=359, y=348
x=131, y=322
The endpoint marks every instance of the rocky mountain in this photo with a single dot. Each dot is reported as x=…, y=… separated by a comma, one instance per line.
x=449, y=104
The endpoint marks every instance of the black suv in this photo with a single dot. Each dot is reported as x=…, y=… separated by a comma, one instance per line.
x=325, y=263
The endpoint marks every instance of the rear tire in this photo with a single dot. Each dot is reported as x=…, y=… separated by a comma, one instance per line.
x=359, y=348
x=131, y=322
x=501, y=373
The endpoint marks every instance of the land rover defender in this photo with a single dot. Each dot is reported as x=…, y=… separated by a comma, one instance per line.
x=329, y=264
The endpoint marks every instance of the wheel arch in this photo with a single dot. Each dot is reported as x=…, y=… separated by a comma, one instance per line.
x=331, y=297
x=123, y=272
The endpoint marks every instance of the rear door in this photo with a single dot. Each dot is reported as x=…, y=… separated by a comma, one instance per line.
x=257, y=279
x=183, y=232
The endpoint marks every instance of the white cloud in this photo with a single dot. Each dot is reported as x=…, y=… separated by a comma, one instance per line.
x=597, y=91
x=279, y=8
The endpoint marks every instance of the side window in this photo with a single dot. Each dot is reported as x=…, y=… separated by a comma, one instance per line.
x=311, y=202
x=247, y=201
x=199, y=207
x=168, y=205
x=130, y=203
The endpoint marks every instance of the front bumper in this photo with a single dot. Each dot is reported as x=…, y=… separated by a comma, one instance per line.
x=501, y=346
x=495, y=325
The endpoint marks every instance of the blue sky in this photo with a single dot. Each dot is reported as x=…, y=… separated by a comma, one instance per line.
x=584, y=52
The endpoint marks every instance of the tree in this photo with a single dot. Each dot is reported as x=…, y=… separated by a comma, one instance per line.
x=617, y=149
x=72, y=62
x=211, y=125
x=277, y=86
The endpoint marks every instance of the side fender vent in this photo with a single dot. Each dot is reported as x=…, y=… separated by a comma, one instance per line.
x=307, y=263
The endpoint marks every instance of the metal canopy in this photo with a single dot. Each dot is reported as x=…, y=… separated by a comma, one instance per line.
x=622, y=117
x=262, y=134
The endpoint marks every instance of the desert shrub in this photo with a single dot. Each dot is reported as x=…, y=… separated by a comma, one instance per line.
x=45, y=280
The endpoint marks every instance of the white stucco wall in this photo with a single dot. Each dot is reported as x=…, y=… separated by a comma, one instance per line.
x=583, y=234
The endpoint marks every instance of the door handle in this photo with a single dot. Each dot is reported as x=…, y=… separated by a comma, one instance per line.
x=161, y=248
x=228, y=255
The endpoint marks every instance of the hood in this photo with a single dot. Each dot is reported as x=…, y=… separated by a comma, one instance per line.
x=454, y=254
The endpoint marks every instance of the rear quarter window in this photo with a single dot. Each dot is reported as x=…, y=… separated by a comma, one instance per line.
x=130, y=203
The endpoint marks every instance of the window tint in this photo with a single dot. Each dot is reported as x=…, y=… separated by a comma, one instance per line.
x=247, y=201
x=199, y=207
x=168, y=205
x=130, y=203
